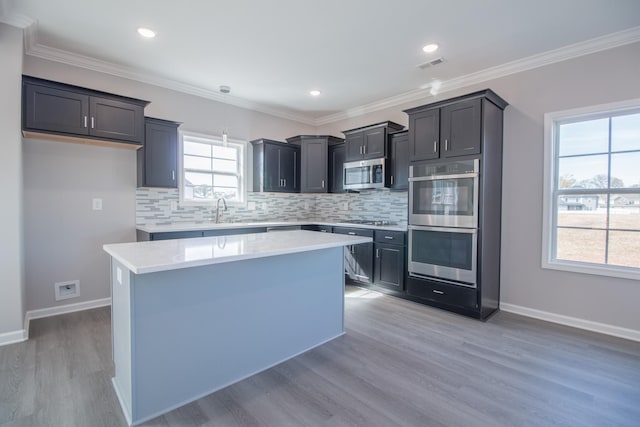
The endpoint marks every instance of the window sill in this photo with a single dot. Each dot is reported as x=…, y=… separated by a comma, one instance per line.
x=593, y=269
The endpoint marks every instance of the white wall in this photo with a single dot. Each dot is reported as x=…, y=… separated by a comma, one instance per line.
x=11, y=253
x=63, y=236
x=603, y=77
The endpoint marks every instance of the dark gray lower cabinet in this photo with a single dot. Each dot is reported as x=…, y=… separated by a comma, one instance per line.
x=358, y=258
x=389, y=266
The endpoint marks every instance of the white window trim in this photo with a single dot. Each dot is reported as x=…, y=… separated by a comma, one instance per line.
x=548, y=203
x=243, y=167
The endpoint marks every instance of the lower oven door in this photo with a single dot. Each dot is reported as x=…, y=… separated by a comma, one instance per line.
x=448, y=254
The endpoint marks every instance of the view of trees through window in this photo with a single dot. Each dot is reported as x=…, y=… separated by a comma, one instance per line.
x=597, y=190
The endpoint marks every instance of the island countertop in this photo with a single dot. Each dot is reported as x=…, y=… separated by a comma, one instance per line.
x=163, y=255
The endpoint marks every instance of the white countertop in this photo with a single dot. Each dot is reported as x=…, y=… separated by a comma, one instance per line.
x=192, y=226
x=162, y=255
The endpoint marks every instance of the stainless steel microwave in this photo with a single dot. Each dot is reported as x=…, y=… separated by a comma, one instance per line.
x=364, y=174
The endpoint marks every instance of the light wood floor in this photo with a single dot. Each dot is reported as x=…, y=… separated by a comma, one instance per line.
x=400, y=364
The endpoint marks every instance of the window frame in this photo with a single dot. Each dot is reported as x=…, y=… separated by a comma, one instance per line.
x=549, y=206
x=215, y=140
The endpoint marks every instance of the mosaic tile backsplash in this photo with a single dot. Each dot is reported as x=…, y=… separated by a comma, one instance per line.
x=153, y=207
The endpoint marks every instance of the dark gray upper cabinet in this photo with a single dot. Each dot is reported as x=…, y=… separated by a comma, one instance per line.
x=314, y=167
x=449, y=128
x=158, y=157
x=276, y=166
x=56, y=108
x=369, y=142
x=399, y=161
x=336, y=168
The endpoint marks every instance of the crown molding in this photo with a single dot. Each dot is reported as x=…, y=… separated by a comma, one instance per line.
x=13, y=19
x=609, y=41
x=33, y=48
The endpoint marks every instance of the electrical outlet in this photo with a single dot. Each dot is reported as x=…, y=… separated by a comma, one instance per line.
x=345, y=206
x=174, y=205
x=251, y=206
x=306, y=204
x=65, y=290
x=264, y=206
x=96, y=204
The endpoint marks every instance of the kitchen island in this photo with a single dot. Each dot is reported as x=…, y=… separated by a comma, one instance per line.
x=192, y=316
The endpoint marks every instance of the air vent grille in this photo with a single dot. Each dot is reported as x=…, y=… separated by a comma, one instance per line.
x=431, y=63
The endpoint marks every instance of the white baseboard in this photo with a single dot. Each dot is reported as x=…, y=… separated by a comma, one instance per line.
x=575, y=322
x=13, y=337
x=67, y=308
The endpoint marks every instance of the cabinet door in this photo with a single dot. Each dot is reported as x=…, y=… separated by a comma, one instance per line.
x=354, y=143
x=424, y=135
x=389, y=266
x=363, y=255
x=336, y=168
x=55, y=110
x=271, y=169
x=160, y=152
x=114, y=119
x=461, y=128
x=374, y=145
x=399, y=170
x=314, y=165
x=289, y=169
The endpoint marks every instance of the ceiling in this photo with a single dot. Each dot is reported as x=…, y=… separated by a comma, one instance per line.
x=362, y=54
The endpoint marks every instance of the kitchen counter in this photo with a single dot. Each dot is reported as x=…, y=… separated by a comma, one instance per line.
x=192, y=316
x=161, y=255
x=193, y=226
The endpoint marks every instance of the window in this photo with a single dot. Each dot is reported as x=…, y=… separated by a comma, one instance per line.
x=211, y=170
x=592, y=190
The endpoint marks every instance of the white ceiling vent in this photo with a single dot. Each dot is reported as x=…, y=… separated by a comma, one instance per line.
x=431, y=63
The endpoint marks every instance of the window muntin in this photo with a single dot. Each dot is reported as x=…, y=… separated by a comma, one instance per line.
x=593, y=204
x=211, y=170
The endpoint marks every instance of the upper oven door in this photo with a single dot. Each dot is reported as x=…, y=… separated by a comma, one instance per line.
x=447, y=200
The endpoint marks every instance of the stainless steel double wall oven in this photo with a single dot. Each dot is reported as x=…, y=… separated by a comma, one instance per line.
x=443, y=221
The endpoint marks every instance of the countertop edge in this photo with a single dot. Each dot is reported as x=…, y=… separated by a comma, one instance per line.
x=232, y=225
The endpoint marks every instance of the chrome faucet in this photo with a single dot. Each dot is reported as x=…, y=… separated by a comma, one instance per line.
x=224, y=203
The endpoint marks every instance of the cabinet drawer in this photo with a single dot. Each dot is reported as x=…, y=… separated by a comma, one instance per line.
x=460, y=296
x=391, y=237
x=353, y=231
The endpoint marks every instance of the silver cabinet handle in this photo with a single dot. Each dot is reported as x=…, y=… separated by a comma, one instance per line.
x=173, y=175
x=361, y=149
x=364, y=149
x=323, y=231
x=323, y=183
x=284, y=182
x=351, y=233
x=435, y=146
x=435, y=291
x=93, y=122
x=377, y=253
x=388, y=237
x=85, y=121
x=446, y=145
x=391, y=179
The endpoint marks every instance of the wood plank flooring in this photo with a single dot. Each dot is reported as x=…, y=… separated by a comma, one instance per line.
x=400, y=364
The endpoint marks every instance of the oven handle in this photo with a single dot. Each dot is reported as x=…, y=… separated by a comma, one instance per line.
x=445, y=229
x=439, y=177
x=438, y=279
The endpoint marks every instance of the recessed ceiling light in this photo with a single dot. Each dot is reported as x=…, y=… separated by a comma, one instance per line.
x=314, y=92
x=430, y=48
x=146, y=32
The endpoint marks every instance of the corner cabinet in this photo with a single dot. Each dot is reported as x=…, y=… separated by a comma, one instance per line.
x=276, y=166
x=368, y=142
x=158, y=157
x=67, y=111
x=449, y=128
x=314, y=168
